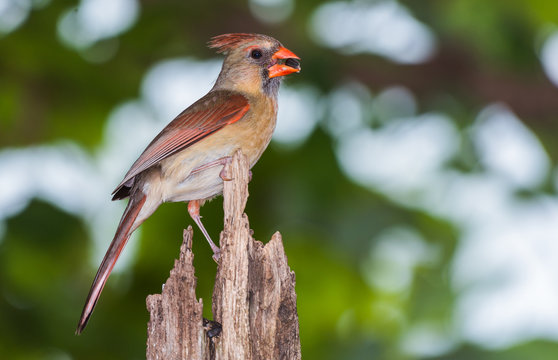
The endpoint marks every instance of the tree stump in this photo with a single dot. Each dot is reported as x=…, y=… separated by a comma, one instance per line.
x=254, y=299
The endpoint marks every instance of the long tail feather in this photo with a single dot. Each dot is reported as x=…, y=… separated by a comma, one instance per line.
x=122, y=235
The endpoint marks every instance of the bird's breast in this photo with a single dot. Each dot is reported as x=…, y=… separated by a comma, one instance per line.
x=254, y=131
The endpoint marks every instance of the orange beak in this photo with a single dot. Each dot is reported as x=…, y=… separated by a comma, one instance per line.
x=285, y=62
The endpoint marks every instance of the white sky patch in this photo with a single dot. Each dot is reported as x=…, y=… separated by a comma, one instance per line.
x=394, y=102
x=393, y=258
x=272, y=11
x=172, y=85
x=65, y=176
x=14, y=193
x=549, y=57
x=517, y=256
x=509, y=148
x=346, y=109
x=130, y=127
x=94, y=20
x=464, y=198
x=13, y=14
x=57, y=174
x=428, y=340
x=299, y=110
x=384, y=28
x=402, y=156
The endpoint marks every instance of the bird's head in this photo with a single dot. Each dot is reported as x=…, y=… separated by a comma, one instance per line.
x=253, y=62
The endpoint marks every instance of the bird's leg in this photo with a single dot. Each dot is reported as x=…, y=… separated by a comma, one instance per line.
x=219, y=162
x=194, y=211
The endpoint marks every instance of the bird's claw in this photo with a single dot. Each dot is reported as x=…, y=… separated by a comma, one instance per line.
x=224, y=174
x=212, y=328
x=216, y=255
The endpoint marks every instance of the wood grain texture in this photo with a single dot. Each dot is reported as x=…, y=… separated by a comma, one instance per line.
x=254, y=296
x=175, y=328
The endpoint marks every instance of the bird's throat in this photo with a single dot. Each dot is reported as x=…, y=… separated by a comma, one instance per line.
x=270, y=87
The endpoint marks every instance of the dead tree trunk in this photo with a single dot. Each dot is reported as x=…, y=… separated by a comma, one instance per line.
x=254, y=300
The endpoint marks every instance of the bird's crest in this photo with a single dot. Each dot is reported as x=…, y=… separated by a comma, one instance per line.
x=226, y=42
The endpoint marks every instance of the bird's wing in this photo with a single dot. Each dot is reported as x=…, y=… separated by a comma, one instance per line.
x=206, y=116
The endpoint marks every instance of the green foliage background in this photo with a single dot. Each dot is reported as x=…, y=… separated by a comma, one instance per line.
x=50, y=93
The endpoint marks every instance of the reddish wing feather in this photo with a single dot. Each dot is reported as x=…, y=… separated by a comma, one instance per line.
x=209, y=114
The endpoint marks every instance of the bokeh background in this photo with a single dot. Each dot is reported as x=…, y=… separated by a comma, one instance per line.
x=412, y=174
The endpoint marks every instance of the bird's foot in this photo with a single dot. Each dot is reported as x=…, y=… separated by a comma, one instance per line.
x=216, y=251
x=224, y=174
x=216, y=254
x=212, y=328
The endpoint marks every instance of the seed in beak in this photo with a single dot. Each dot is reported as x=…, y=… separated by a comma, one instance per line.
x=294, y=63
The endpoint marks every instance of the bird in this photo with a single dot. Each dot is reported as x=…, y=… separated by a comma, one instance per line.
x=185, y=161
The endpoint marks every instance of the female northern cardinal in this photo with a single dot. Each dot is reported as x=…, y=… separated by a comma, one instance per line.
x=185, y=161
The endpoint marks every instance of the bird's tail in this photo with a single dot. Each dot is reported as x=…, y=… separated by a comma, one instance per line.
x=123, y=232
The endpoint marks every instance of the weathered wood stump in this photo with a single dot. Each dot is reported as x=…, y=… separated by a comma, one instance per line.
x=254, y=299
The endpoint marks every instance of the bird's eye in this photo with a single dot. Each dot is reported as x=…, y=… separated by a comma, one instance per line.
x=256, y=54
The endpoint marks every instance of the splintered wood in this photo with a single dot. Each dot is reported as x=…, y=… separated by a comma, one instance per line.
x=175, y=327
x=254, y=299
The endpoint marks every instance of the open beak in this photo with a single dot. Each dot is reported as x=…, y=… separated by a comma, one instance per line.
x=284, y=62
